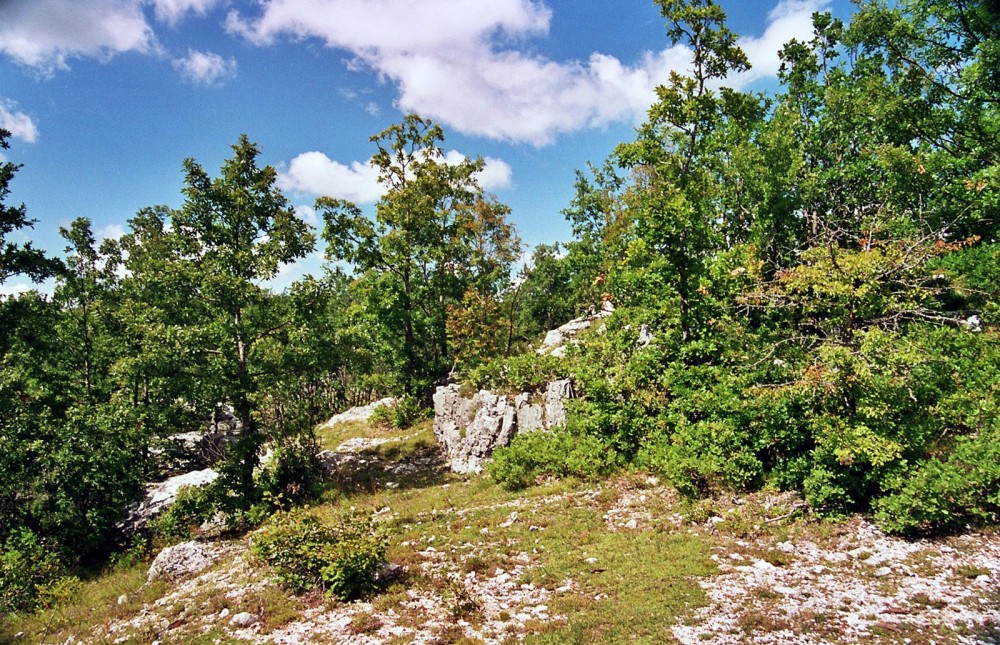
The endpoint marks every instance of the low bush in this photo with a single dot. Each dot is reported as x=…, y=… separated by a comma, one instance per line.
x=293, y=474
x=947, y=494
x=516, y=373
x=194, y=505
x=559, y=453
x=27, y=567
x=307, y=553
x=401, y=414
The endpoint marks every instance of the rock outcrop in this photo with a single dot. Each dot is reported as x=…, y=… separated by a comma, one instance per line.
x=470, y=429
x=559, y=339
x=161, y=495
x=360, y=413
x=180, y=561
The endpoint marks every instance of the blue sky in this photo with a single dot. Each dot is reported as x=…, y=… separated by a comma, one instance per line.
x=106, y=98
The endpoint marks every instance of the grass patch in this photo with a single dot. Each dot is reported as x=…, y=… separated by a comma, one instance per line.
x=92, y=602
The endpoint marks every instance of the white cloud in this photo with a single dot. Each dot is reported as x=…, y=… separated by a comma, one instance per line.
x=789, y=19
x=308, y=215
x=314, y=173
x=44, y=34
x=459, y=62
x=205, y=68
x=20, y=125
x=171, y=11
x=110, y=232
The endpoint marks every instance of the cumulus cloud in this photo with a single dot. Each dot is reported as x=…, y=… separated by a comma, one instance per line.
x=110, y=232
x=789, y=19
x=205, y=68
x=171, y=11
x=314, y=173
x=459, y=63
x=45, y=34
x=20, y=125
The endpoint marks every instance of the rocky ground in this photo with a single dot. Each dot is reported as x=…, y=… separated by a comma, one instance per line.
x=490, y=568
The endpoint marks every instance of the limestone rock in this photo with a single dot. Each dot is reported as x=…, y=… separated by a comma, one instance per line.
x=160, y=496
x=180, y=561
x=243, y=620
x=360, y=413
x=556, y=394
x=557, y=340
x=470, y=429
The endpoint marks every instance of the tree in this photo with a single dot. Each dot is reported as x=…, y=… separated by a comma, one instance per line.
x=18, y=259
x=675, y=156
x=435, y=235
x=232, y=233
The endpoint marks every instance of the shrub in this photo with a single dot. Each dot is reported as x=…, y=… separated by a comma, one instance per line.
x=947, y=494
x=293, y=474
x=401, y=414
x=27, y=567
x=307, y=553
x=194, y=505
x=559, y=453
x=517, y=373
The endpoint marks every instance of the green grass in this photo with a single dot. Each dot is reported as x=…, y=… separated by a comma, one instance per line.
x=81, y=605
x=642, y=582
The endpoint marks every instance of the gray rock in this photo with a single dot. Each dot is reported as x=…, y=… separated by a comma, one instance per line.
x=360, y=413
x=160, y=496
x=530, y=416
x=243, y=620
x=557, y=340
x=470, y=429
x=179, y=561
x=556, y=394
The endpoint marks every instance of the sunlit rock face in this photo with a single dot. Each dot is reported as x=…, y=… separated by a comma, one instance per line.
x=471, y=428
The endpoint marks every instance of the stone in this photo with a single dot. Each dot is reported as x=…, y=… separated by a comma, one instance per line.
x=556, y=394
x=180, y=561
x=243, y=620
x=557, y=340
x=470, y=429
x=360, y=413
x=530, y=416
x=159, y=496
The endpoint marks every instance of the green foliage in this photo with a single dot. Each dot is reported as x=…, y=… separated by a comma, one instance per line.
x=436, y=235
x=18, y=258
x=401, y=414
x=27, y=567
x=949, y=493
x=556, y=453
x=192, y=507
x=308, y=553
x=293, y=474
x=521, y=373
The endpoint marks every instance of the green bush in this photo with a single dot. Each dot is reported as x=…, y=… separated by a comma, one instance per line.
x=27, y=567
x=193, y=505
x=293, y=474
x=947, y=494
x=401, y=414
x=307, y=553
x=521, y=373
x=558, y=453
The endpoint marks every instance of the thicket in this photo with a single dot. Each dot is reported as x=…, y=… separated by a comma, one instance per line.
x=818, y=267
